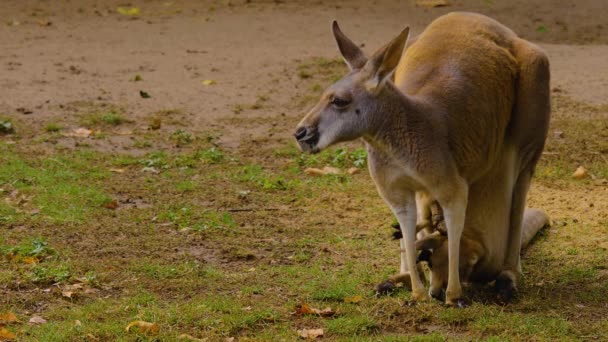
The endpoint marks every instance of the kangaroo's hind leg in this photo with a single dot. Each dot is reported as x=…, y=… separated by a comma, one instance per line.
x=527, y=132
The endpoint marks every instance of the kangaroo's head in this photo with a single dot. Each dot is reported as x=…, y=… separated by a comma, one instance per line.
x=350, y=108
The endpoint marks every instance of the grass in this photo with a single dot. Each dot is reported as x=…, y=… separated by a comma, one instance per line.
x=225, y=241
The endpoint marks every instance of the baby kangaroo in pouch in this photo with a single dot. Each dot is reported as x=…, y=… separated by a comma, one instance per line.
x=462, y=103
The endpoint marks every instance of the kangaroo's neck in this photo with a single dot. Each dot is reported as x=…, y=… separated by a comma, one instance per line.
x=399, y=123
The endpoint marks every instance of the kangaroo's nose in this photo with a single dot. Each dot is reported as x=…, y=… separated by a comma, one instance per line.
x=300, y=133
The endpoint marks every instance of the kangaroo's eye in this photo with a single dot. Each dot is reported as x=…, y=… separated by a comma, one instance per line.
x=339, y=102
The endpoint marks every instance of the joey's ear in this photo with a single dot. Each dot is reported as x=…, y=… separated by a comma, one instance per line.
x=381, y=65
x=432, y=241
x=353, y=56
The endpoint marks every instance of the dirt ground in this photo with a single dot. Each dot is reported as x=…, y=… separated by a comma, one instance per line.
x=205, y=94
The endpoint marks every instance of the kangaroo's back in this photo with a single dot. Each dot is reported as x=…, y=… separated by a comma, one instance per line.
x=463, y=64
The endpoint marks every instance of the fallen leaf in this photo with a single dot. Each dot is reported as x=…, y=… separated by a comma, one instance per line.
x=132, y=11
x=150, y=169
x=77, y=323
x=67, y=294
x=310, y=333
x=37, y=320
x=352, y=170
x=79, y=133
x=144, y=94
x=117, y=170
x=330, y=170
x=305, y=309
x=8, y=317
x=30, y=260
x=6, y=335
x=432, y=3
x=113, y=204
x=144, y=327
x=155, y=124
x=354, y=299
x=580, y=173
x=72, y=287
x=190, y=338
x=208, y=82
x=92, y=337
x=312, y=171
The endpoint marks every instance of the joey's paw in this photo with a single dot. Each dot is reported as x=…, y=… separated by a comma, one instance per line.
x=385, y=288
x=458, y=303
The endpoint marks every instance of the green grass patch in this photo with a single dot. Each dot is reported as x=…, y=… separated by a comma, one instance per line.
x=63, y=188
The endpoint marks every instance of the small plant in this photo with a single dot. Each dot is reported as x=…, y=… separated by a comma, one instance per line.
x=37, y=248
x=182, y=137
x=6, y=127
x=52, y=128
x=113, y=118
x=155, y=159
x=49, y=275
x=211, y=156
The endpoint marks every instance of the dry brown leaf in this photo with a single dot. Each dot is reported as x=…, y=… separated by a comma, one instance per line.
x=190, y=338
x=8, y=317
x=144, y=327
x=37, y=320
x=73, y=287
x=327, y=170
x=29, y=260
x=354, y=299
x=312, y=171
x=310, y=333
x=67, y=294
x=330, y=170
x=208, y=82
x=305, y=309
x=6, y=335
x=117, y=170
x=580, y=173
x=79, y=133
x=432, y=3
x=155, y=124
x=92, y=337
x=352, y=170
x=111, y=205
x=77, y=323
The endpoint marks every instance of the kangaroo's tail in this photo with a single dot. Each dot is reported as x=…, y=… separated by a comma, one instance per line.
x=534, y=220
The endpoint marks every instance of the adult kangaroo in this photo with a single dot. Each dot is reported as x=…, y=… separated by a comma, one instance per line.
x=467, y=98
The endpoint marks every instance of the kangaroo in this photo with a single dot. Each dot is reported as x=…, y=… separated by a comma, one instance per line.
x=468, y=100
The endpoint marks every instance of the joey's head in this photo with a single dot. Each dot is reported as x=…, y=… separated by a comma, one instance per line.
x=434, y=250
x=351, y=107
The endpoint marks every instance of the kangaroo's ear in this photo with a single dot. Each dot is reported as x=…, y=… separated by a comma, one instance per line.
x=431, y=241
x=353, y=56
x=381, y=65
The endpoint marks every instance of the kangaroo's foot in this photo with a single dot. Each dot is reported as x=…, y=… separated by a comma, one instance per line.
x=506, y=288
